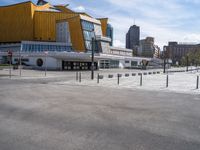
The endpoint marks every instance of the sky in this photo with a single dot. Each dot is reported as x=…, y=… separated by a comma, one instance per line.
x=165, y=20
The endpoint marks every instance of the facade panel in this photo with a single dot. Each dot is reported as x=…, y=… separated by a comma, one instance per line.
x=16, y=23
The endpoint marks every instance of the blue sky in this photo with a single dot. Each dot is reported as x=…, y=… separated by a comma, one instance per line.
x=166, y=20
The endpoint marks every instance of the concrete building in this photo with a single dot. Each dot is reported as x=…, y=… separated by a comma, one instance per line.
x=147, y=48
x=133, y=38
x=176, y=51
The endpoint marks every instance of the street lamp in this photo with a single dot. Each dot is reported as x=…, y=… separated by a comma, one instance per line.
x=92, y=59
x=187, y=61
x=164, y=65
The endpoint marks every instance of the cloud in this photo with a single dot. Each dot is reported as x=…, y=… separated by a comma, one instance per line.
x=79, y=9
x=191, y=38
x=166, y=20
x=118, y=43
x=169, y=20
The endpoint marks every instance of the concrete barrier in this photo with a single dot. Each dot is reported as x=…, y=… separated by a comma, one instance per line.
x=110, y=76
x=100, y=76
x=133, y=74
x=126, y=75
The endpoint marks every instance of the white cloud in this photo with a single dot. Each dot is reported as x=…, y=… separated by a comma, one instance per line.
x=191, y=38
x=79, y=9
x=166, y=20
x=118, y=43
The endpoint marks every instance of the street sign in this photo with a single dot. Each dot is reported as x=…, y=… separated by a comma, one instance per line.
x=46, y=52
x=10, y=53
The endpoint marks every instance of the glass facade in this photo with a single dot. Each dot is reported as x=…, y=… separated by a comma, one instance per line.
x=69, y=65
x=109, y=33
x=88, y=32
x=106, y=64
x=27, y=47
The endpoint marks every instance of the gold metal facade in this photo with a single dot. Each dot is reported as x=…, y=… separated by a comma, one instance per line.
x=16, y=23
x=104, y=23
x=27, y=21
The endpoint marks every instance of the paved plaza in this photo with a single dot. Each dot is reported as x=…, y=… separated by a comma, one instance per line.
x=59, y=113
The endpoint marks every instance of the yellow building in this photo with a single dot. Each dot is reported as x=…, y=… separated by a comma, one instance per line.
x=31, y=30
x=29, y=22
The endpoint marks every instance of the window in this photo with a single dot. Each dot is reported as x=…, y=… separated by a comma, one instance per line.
x=88, y=32
x=88, y=45
x=127, y=62
x=40, y=48
x=133, y=63
x=87, y=25
x=39, y=62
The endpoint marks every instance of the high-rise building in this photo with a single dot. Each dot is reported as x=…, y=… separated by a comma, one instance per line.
x=148, y=48
x=133, y=37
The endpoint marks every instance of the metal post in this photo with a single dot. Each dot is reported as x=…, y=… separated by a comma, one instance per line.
x=79, y=76
x=118, y=79
x=92, y=65
x=197, y=87
x=164, y=66
x=167, y=81
x=98, y=78
x=20, y=62
x=187, y=59
x=45, y=64
x=141, y=80
x=10, y=66
x=76, y=76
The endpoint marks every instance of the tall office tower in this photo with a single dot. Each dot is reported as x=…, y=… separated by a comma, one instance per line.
x=133, y=38
x=148, y=48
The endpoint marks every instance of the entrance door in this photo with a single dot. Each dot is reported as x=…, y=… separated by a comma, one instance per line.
x=68, y=65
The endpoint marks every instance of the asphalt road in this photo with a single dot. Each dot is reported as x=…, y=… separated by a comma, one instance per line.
x=38, y=114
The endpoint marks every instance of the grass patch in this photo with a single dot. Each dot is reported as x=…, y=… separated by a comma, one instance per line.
x=4, y=65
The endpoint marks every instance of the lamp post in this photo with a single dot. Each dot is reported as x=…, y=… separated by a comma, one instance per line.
x=92, y=59
x=164, y=65
x=187, y=62
x=164, y=69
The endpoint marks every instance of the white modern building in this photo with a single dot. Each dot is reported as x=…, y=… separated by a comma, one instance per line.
x=60, y=56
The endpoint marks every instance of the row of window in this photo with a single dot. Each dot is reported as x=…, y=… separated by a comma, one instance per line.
x=42, y=48
x=87, y=25
x=89, y=33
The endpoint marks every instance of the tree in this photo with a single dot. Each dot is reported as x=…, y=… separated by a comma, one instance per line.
x=193, y=58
